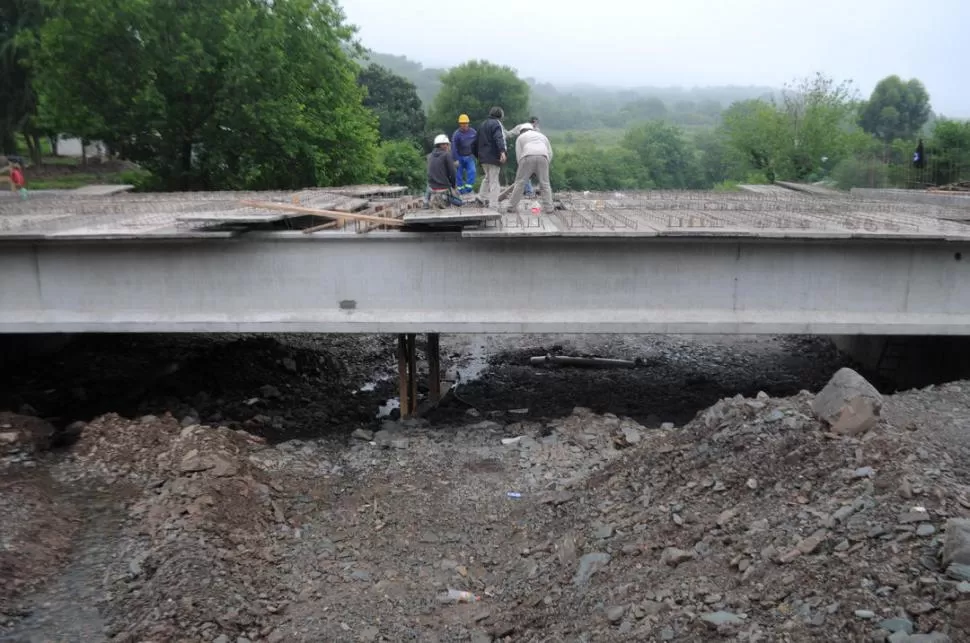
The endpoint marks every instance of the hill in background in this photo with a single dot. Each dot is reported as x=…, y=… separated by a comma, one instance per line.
x=586, y=106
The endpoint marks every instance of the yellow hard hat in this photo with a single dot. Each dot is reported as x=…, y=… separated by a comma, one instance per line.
x=463, y=119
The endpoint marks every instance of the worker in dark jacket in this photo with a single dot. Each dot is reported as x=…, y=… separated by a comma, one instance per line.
x=490, y=149
x=442, y=178
x=462, y=144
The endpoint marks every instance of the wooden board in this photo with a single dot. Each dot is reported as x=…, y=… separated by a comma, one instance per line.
x=450, y=216
x=363, y=191
x=348, y=216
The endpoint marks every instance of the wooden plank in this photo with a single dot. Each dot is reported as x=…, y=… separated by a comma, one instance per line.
x=412, y=372
x=349, y=216
x=434, y=367
x=350, y=205
x=451, y=216
x=368, y=190
x=397, y=209
x=402, y=376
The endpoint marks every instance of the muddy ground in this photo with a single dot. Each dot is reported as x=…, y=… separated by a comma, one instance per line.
x=245, y=488
x=296, y=386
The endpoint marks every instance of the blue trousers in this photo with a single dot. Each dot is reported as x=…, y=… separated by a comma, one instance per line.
x=466, y=174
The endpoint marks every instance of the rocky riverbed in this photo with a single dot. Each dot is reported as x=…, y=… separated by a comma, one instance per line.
x=612, y=513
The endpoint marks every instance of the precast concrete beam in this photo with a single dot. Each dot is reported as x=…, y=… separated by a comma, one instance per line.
x=441, y=283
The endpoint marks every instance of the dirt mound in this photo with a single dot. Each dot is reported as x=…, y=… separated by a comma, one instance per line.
x=36, y=532
x=754, y=523
x=279, y=387
x=198, y=549
x=22, y=436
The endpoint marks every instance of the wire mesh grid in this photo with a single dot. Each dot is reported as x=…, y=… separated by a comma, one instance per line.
x=795, y=211
x=599, y=212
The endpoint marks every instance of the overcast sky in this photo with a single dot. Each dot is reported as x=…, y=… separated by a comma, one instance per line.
x=686, y=42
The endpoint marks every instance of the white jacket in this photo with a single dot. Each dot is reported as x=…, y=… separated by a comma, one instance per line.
x=532, y=143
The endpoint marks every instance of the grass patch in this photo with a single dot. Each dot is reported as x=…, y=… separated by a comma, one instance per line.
x=79, y=180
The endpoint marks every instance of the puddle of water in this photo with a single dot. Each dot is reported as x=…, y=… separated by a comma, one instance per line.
x=472, y=367
x=385, y=409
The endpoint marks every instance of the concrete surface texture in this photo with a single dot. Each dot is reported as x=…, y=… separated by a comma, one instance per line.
x=654, y=262
x=438, y=282
x=789, y=213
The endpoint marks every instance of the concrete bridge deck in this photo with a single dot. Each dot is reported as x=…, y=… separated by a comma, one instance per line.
x=646, y=263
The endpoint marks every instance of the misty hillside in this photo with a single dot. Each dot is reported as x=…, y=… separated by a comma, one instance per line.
x=585, y=106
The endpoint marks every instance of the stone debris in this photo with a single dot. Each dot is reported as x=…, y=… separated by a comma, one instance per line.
x=848, y=404
x=753, y=522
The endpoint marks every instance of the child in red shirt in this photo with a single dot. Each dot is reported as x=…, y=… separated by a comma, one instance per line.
x=17, y=181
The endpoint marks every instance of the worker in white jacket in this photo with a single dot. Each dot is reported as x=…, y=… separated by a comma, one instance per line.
x=534, y=153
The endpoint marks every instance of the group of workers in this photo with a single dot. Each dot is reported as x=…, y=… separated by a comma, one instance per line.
x=451, y=164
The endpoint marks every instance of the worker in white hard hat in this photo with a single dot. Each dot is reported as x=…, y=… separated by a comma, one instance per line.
x=515, y=131
x=442, y=178
x=462, y=147
x=534, y=154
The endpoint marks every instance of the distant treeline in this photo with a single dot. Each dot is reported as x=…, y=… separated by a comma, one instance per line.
x=587, y=107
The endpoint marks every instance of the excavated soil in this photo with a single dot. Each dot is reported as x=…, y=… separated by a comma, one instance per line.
x=747, y=521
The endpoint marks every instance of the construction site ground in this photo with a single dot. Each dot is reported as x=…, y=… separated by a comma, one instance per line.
x=250, y=488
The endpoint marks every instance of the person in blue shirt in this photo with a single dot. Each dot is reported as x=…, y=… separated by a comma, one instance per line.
x=462, y=145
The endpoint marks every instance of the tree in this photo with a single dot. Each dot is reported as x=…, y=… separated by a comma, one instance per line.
x=473, y=88
x=232, y=94
x=404, y=164
x=818, y=117
x=20, y=21
x=395, y=101
x=669, y=161
x=896, y=109
x=755, y=129
x=642, y=110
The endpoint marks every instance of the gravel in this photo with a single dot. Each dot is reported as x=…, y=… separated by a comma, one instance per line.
x=629, y=519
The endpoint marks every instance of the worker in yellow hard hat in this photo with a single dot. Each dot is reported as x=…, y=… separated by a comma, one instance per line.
x=462, y=150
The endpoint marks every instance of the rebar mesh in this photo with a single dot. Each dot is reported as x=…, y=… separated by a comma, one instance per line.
x=678, y=212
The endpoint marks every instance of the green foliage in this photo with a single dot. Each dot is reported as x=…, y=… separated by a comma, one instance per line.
x=949, y=152
x=896, y=109
x=590, y=167
x=426, y=80
x=473, y=88
x=216, y=94
x=801, y=138
x=592, y=108
x=664, y=154
x=727, y=186
x=404, y=164
x=20, y=21
x=754, y=129
x=395, y=101
x=717, y=159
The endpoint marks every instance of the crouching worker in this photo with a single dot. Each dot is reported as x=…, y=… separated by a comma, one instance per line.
x=442, y=178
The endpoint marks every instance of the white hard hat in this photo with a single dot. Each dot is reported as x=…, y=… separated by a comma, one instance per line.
x=440, y=139
x=524, y=126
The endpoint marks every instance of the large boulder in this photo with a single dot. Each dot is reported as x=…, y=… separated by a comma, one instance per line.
x=849, y=404
x=956, y=543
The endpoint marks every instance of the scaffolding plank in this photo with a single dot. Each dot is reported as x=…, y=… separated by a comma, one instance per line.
x=451, y=216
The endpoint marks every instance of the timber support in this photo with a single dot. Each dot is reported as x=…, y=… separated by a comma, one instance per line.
x=407, y=372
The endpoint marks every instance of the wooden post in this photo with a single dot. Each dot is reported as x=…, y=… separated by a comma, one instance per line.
x=412, y=373
x=434, y=367
x=404, y=387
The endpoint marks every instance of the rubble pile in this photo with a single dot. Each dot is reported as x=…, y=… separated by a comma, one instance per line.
x=22, y=437
x=196, y=555
x=268, y=394
x=36, y=531
x=758, y=522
